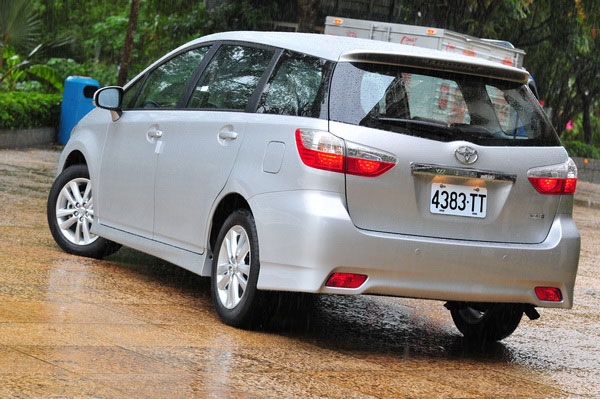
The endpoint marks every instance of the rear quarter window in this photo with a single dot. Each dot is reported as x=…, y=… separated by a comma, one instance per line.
x=298, y=87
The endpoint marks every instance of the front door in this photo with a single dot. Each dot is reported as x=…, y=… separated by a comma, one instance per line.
x=134, y=142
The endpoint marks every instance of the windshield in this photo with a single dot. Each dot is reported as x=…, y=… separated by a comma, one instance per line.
x=439, y=106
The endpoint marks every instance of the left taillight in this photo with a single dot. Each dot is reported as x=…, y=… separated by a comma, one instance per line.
x=554, y=179
x=322, y=150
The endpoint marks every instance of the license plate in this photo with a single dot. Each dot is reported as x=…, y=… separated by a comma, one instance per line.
x=452, y=199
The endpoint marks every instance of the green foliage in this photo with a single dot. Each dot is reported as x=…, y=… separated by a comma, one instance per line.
x=21, y=109
x=106, y=37
x=105, y=74
x=577, y=148
x=12, y=72
x=98, y=28
x=19, y=24
x=18, y=69
x=162, y=29
x=240, y=15
x=577, y=133
x=47, y=74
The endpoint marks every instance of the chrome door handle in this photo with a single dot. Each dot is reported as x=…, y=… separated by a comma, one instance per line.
x=155, y=134
x=227, y=135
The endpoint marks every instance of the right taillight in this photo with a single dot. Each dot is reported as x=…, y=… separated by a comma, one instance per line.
x=554, y=179
x=322, y=150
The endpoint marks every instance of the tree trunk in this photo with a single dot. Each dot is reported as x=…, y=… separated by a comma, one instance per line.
x=308, y=12
x=587, y=121
x=128, y=46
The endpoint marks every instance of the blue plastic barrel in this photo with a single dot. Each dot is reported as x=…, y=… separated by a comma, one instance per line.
x=77, y=102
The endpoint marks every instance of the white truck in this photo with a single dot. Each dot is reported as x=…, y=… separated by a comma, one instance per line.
x=422, y=36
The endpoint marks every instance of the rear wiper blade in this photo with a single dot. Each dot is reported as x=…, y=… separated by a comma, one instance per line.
x=412, y=126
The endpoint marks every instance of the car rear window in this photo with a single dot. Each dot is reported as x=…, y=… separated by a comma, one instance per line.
x=438, y=105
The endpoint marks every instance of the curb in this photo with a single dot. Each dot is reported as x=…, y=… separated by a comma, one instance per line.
x=23, y=138
x=587, y=202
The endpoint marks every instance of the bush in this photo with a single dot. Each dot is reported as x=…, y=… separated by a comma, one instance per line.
x=24, y=110
x=577, y=148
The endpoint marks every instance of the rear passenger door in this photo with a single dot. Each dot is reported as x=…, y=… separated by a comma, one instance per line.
x=201, y=143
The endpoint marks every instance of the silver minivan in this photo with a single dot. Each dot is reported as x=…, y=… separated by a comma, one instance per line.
x=310, y=163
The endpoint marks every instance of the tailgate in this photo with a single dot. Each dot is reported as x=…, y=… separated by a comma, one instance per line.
x=431, y=193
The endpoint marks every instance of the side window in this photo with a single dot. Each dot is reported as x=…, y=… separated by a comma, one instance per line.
x=296, y=87
x=129, y=95
x=164, y=85
x=231, y=77
x=506, y=114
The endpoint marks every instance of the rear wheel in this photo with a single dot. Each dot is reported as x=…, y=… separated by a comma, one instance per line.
x=486, y=322
x=70, y=215
x=235, y=269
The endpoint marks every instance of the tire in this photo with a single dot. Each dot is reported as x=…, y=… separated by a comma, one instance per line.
x=70, y=215
x=235, y=269
x=486, y=322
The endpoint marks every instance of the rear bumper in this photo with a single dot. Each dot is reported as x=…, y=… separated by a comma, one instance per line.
x=304, y=236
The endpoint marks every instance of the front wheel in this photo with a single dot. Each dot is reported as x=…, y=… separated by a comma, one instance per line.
x=486, y=322
x=70, y=215
x=235, y=268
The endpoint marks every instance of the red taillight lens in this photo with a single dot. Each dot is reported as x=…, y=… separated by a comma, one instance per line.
x=346, y=280
x=547, y=185
x=322, y=150
x=554, y=179
x=365, y=167
x=549, y=294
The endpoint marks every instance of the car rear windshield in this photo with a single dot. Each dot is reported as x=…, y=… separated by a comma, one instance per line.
x=439, y=105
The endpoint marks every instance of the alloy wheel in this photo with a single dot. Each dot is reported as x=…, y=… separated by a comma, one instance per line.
x=233, y=267
x=75, y=211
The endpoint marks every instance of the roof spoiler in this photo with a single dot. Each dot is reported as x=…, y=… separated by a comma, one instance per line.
x=456, y=64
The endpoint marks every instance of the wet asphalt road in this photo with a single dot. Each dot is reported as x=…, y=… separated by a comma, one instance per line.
x=131, y=326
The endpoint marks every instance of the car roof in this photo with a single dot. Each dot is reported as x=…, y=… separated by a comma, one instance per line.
x=322, y=46
x=340, y=48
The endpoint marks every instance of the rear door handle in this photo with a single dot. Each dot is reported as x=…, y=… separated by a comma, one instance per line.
x=155, y=134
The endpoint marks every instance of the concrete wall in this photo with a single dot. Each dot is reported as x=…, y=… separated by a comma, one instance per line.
x=588, y=169
x=27, y=137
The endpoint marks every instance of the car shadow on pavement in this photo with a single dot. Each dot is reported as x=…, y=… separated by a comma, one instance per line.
x=369, y=324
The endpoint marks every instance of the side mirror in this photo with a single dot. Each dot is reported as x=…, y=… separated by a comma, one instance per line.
x=110, y=98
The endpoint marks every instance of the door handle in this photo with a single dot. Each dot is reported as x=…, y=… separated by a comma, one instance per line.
x=155, y=134
x=227, y=135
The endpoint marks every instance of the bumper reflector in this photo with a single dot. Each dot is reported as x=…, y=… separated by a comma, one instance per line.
x=346, y=280
x=549, y=294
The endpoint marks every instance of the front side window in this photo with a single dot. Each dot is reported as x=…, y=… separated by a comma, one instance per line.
x=164, y=86
x=298, y=87
x=231, y=78
x=439, y=105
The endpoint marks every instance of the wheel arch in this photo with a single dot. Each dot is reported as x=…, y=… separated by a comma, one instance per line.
x=228, y=204
x=76, y=157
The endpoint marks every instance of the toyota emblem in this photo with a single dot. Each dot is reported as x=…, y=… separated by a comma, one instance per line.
x=466, y=155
